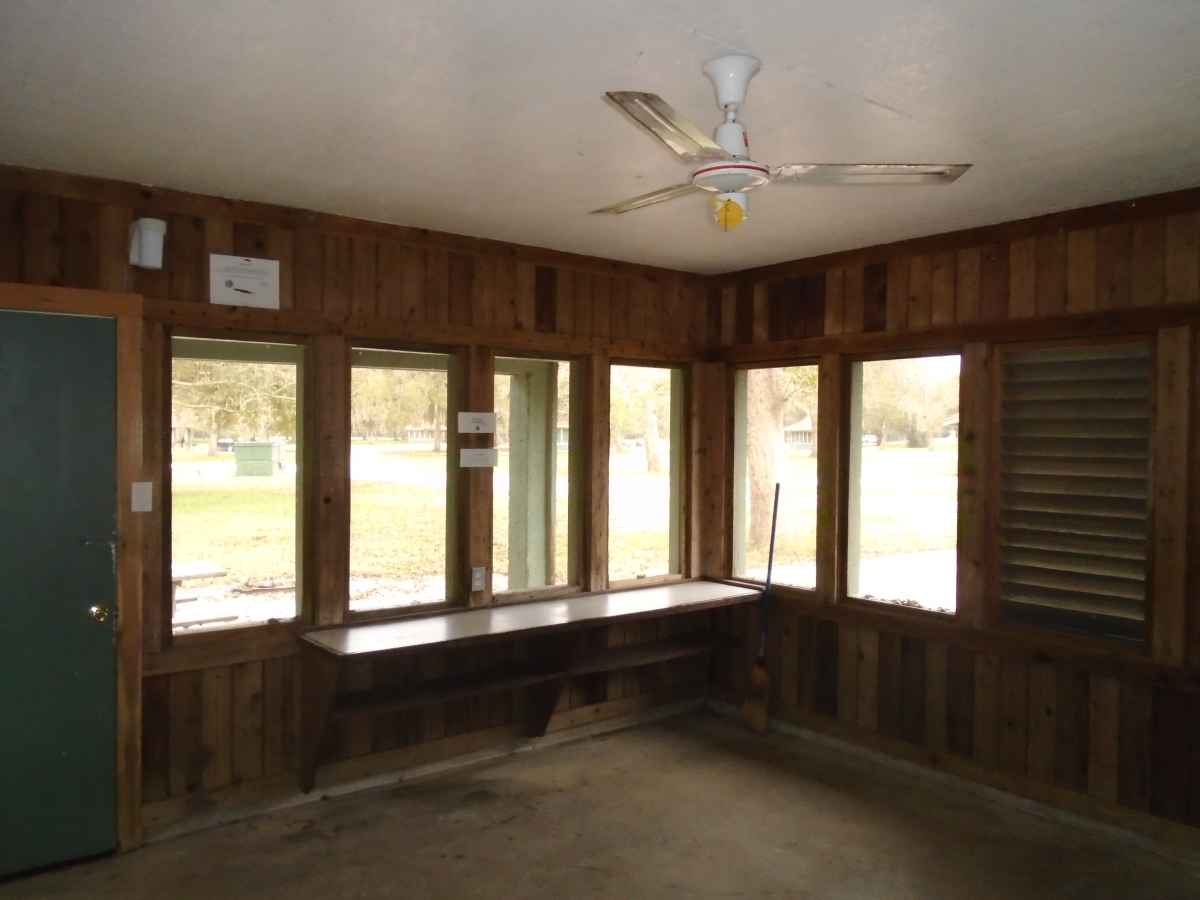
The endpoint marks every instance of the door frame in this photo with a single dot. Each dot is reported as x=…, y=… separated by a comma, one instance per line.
x=126, y=310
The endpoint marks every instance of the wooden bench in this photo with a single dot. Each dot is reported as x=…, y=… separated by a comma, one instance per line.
x=558, y=657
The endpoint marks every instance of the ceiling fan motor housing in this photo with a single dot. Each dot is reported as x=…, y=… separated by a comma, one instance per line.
x=731, y=76
x=736, y=176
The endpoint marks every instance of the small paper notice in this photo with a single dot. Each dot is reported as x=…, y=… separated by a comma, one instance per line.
x=243, y=281
x=142, y=497
x=476, y=423
x=484, y=458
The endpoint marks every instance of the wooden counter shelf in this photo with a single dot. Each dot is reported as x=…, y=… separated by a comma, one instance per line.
x=324, y=652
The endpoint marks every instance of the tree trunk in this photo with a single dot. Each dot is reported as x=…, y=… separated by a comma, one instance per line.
x=212, y=432
x=653, y=446
x=764, y=438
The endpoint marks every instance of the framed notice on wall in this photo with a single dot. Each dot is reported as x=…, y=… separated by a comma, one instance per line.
x=243, y=281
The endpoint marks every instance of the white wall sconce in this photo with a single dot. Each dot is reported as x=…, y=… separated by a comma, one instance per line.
x=146, y=237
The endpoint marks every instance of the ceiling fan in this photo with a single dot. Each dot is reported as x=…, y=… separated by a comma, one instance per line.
x=726, y=170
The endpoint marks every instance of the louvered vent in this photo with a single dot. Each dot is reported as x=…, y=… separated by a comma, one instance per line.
x=1074, y=460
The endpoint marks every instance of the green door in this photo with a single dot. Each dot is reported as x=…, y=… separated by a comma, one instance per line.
x=57, y=663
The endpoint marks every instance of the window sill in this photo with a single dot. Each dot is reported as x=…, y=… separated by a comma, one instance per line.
x=627, y=583
x=224, y=647
x=393, y=613
x=554, y=592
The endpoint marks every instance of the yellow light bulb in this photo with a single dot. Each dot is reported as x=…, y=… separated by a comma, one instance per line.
x=728, y=214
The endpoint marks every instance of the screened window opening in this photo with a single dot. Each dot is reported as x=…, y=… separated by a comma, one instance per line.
x=902, y=529
x=645, y=464
x=398, y=479
x=533, y=505
x=1074, y=457
x=235, y=470
x=775, y=440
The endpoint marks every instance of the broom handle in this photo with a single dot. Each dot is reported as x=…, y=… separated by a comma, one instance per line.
x=766, y=596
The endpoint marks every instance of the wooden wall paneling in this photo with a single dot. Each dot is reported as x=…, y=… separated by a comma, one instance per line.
x=326, y=457
x=986, y=712
x=1072, y=728
x=789, y=662
x=1022, y=267
x=743, y=328
x=1104, y=732
x=216, y=727
x=309, y=268
x=960, y=701
x=889, y=693
x=604, y=289
x=1114, y=266
x=833, y=407
x=354, y=733
x=461, y=275
x=936, y=698
x=825, y=675
x=505, y=280
x=868, y=702
x=1052, y=273
x=759, y=307
x=974, y=455
x=1043, y=722
x=847, y=682
x=1149, y=262
x=1183, y=258
x=853, y=300
x=338, y=284
x=806, y=660
x=1013, y=742
x=42, y=244
x=247, y=721
x=1172, y=455
x=545, y=299
x=643, y=322
x=943, y=278
x=279, y=246
x=12, y=237
x=583, y=303
x=364, y=278
x=564, y=301
x=875, y=294
x=80, y=243
x=1081, y=271
x=249, y=239
x=437, y=286
x=993, y=282
x=1133, y=746
x=897, y=294
x=156, y=730
x=620, y=299
x=483, y=293
x=280, y=715
x=967, y=276
x=699, y=311
x=186, y=257
x=393, y=301
x=1173, y=731
x=113, y=240
x=920, y=293
x=596, y=416
x=709, y=420
x=475, y=497
x=525, y=303
x=912, y=690
x=186, y=741
x=218, y=238
x=729, y=314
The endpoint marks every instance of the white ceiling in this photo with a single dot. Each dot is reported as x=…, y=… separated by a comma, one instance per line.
x=487, y=119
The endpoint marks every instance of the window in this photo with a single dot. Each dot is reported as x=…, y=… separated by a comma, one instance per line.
x=1074, y=462
x=775, y=440
x=902, y=528
x=398, y=466
x=235, y=415
x=533, y=516
x=645, y=456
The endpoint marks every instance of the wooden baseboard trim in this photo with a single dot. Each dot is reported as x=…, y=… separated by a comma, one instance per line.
x=1179, y=843
x=178, y=816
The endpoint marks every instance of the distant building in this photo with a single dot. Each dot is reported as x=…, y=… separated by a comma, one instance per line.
x=799, y=434
x=424, y=434
x=950, y=426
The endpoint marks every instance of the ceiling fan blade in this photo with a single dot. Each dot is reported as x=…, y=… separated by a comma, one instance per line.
x=657, y=117
x=659, y=196
x=868, y=173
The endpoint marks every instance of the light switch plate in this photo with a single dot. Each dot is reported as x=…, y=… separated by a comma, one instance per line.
x=478, y=578
x=141, y=497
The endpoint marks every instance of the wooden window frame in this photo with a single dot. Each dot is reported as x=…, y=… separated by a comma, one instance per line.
x=258, y=632
x=993, y=612
x=680, y=474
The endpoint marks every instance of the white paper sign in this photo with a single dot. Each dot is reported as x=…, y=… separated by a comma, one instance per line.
x=243, y=281
x=485, y=458
x=141, y=498
x=476, y=423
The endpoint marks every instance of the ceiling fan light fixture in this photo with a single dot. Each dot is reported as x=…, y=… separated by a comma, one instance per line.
x=730, y=210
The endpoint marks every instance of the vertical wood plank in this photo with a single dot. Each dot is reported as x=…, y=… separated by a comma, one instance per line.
x=483, y=293
x=1183, y=258
x=974, y=446
x=912, y=690
x=1022, y=267
x=729, y=315
x=186, y=739
x=867, y=703
x=1052, y=274
x=12, y=236
x=437, y=286
x=1043, y=722
x=114, y=247
x=897, y=294
x=42, y=242
x=156, y=725
x=364, y=281
x=943, y=277
x=832, y=402
x=564, y=302
x=825, y=687
x=967, y=286
x=545, y=299
x=309, y=267
x=1113, y=266
x=847, y=704
x=853, y=299
x=1081, y=271
x=1104, y=719
x=280, y=246
x=217, y=723
x=80, y=244
x=789, y=662
x=596, y=415
x=993, y=282
x=248, y=721
x=986, y=738
x=186, y=259
x=602, y=292
x=278, y=712
x=583, y=304
x=1171, y=447
x=1172, y=730
x=936, y=696
x=835, y=296
x=760, y=322
x=960, y=701
x=460, y=287
x=505, y=309
x=889, y=691
x=1014, y=715
x=920, y=293
x=1072, y=729
x=1149, y=262
x=1133, y=750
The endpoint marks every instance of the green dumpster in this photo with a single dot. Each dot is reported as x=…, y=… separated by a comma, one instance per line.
x=257, y=457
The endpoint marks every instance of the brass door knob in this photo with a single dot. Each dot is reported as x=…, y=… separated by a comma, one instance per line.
x=99, y=613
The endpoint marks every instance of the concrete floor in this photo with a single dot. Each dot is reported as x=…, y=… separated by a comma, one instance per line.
x=692, y=807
